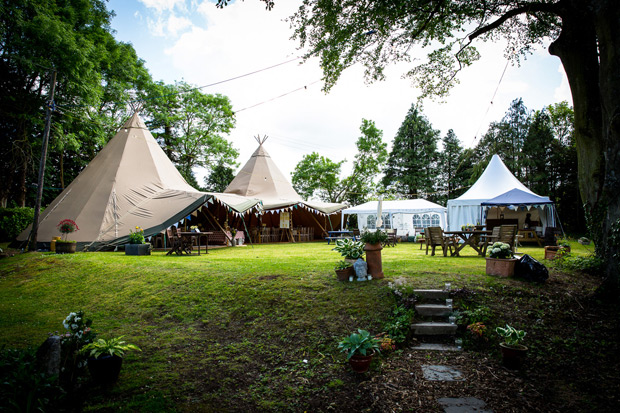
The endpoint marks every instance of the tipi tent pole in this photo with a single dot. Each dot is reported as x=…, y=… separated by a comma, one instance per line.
x=319, y=224
x=246, y=231
x=218, y=224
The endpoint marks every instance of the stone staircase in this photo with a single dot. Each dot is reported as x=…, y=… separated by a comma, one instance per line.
x=432, y=329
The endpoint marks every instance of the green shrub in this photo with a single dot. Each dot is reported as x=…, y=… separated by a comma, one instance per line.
x=399, y=325
x=13, y=221
x=23, y=388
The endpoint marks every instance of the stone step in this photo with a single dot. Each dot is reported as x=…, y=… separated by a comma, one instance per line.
x=436, y=347
x=433, y=310
x=433, y=328
x=433, y=294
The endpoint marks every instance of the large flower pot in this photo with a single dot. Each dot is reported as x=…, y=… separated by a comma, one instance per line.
x=373, y=259
x=65, y=247
x=359, y=363
x=137, y=249
x=552, y=252
x=105, y=369
x=512, y=357
x=343, y=275
x=501, y=267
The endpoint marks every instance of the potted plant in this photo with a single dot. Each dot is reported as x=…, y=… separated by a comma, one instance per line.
x=344, y=270
x=136, y=245
x=500, y=261
x=373, y=241
x=513, y=352
x=105, y=358
x=360, y=348
x=555, y=251
x=233, y=234
x=64, y=246
x=351, y=250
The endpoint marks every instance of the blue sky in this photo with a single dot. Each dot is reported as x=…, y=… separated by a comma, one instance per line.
x=192, y=40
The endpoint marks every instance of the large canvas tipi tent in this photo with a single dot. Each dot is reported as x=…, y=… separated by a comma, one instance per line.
x=496, y=180
x=131, y=182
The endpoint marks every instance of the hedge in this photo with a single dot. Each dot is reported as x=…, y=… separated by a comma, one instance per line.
x=13, y=221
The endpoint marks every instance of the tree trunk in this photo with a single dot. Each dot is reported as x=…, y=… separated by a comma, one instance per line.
x=589, y=50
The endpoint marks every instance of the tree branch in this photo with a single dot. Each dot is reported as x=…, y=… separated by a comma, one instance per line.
x=530, y=8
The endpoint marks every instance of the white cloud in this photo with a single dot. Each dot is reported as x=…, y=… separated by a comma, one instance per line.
x=163, y=5
x=563, y=92
x=244, y=37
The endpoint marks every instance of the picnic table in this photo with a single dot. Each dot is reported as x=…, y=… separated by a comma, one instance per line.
x=528, y=235
x=471, y=238
x=336, y=235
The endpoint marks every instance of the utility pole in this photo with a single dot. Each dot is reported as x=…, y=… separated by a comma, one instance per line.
x=46, y=135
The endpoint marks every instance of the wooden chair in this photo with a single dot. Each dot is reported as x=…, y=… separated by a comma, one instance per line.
x=391, y=241
x=435, y=238
x=486, y=240
x=508, y=235
x=174, y=240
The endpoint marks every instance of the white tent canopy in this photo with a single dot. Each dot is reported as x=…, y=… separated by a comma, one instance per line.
x=494, y=181
x=403, y=215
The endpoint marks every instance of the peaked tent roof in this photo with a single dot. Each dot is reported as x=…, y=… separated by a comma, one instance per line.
x=131, y=182
x=495, y=180
x=261, y=178
x=518, y=197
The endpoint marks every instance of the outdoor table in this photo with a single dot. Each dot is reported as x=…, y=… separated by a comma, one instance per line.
x=187, y=242
x=526, y=235
x=470, y=238
x=334, y=235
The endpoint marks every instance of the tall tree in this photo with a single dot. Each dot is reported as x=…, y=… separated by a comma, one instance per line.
x=191, y=127
x=584, y=35
x=412, y=165
x=219, y=178
x=367, y=164
x=74, y=38
x=318, y=176
x=451, y=169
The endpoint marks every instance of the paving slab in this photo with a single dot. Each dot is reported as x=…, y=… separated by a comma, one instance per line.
x=441, y=373
x=463, y=405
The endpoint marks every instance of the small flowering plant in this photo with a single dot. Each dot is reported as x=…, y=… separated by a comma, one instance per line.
x=478, y=330
x=78, y=328
x=67, y=226
x=500, y=250
x=136, y=236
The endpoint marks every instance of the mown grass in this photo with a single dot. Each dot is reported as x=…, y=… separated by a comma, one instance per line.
x=240, y=328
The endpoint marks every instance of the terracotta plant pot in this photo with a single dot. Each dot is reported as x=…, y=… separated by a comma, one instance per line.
x=373, y=259
x=501, y=267
x=512, y=357
x=359, y=363
x=551, y=252
x=343, y=275
x=65, y=247
x=105, y=369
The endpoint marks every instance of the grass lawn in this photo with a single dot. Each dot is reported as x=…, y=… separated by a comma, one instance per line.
x=256, y=328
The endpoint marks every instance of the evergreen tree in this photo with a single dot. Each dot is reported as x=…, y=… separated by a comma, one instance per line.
x=451, y=170
x=412, y=165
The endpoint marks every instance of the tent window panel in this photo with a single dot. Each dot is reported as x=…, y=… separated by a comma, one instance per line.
x=371, y=222
x=425, y=220
x=387, y=223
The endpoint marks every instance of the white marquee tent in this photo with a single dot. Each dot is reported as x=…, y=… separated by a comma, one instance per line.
x=403, y=215
x=496, y=180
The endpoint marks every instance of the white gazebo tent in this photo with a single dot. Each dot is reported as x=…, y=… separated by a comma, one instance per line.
x=403, y=215
x=494, y=181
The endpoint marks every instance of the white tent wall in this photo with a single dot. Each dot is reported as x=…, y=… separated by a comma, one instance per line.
x=399, y=215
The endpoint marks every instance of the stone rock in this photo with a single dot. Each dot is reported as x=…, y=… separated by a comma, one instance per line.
x=441, y=373
x=49, y=356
